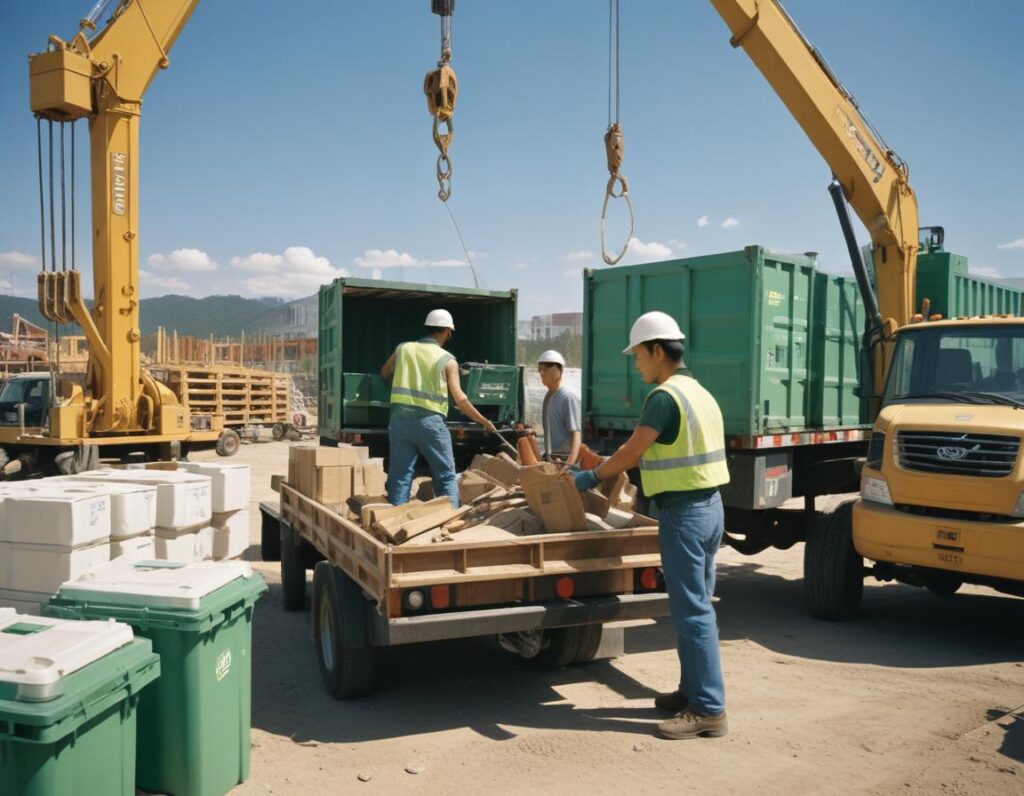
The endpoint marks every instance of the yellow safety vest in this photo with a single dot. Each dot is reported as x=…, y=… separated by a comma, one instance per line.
x=696, y=460
x=419, y=376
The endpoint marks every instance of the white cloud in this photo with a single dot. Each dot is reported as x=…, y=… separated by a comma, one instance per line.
x=18, y=260
x=377, y=274
x=986, y=271
x=636, y=249
x=731, y=221
x=298, y=271
x=6, y=286
x=703, y=221
x=573, y=272
x=479, y=255
x=521, y=266
x=580, y=255
x=678, y=245
x=1013, y=244
x=392, y=258
x=191, y=260
x=162, y=284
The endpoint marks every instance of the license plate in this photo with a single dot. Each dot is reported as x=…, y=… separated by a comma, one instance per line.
x=947, y=536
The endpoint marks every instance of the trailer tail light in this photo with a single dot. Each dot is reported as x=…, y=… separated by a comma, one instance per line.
x=414, y=600
x=649, y=578
x=564, y=587
x=440, y=597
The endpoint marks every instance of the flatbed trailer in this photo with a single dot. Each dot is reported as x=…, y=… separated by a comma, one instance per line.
x=545, y=595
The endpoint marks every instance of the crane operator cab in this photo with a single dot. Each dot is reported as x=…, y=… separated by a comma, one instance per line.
x=25, y=401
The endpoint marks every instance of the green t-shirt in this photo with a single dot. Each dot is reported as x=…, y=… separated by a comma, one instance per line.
x=662, y=414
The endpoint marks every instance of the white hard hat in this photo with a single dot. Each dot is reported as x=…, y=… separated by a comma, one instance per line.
x=551, y=357
x=441, y=319
x=653, y=326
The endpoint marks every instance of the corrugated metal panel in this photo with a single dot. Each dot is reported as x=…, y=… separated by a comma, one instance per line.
x=943, y=278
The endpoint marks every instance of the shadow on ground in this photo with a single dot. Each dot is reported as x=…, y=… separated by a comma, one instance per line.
x=473, y=683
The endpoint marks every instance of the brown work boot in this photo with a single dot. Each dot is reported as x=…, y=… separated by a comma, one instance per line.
x=673, y=703
x=692, y=725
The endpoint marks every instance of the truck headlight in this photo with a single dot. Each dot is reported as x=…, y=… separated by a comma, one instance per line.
x=1018, y=510
x=875, y=490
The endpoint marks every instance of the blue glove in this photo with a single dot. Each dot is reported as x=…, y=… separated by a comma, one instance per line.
x=585, y=479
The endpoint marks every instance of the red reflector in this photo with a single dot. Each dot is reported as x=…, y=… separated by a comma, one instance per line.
x=439, y=597
x=649, y=578
x=564, y=588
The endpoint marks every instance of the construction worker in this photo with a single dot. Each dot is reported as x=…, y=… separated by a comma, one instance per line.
x=560, y=414
x=425, y=375
x=679, y=445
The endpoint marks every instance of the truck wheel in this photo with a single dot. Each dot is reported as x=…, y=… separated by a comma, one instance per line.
x=270, y=538
x=278, y=431
x=228, y=442
x=293, y=570
x=833, y=570
x=562, y=646
x=944, y=584
x=347, y=661
x=590, y=640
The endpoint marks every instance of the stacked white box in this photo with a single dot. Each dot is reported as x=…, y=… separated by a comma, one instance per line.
x=42, y=568
x=183, y=499
x=192, y=545
x=134, y=548
x=230, y=483
x=132, y=506
x=57, y=516
x=230, y=534
x=24, y=602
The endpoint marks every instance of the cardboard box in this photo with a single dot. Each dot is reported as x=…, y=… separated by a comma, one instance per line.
x=192, y=545
x=502, y=468
x=137, y=548
x=472, y=485
x=553, y=498
x=330, y=485
x=323, y=456
x=65, y=517
x=369, y=479
x=229, y=483
x=43, y=568
x=230, y=534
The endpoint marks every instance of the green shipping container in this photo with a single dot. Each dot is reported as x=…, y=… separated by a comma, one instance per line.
x=81, y=739
x=942, y=278
x=774, y=340
x=194, y=723
x=363, y=320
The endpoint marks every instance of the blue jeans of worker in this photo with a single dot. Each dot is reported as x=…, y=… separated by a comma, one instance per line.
x=412, y=433
x=690, y=534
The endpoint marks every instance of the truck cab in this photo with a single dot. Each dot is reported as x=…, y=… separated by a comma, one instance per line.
x=942, y=489
x=28, y=393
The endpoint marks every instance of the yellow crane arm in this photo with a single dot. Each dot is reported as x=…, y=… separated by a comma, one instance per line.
x=874, y=179
x=102, y=79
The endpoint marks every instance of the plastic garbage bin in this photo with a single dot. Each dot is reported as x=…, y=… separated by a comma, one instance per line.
x=68, y=698
x=194, y=724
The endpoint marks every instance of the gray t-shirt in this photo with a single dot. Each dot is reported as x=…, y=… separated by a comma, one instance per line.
x=561, y=414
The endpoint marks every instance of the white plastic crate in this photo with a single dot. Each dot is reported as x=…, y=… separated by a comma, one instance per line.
x=230, y=483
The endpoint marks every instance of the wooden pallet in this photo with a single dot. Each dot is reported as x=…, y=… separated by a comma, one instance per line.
x=379, y=568
x=241, y=396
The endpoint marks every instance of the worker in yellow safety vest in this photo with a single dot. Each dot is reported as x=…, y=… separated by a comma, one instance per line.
x=679, y=445
x=423, y=377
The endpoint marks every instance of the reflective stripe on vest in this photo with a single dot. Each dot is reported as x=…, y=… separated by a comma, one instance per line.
x=696, y=459
x=419, y=377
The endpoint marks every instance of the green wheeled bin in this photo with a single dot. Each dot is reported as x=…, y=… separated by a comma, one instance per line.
x=69, y=693
x=194, y=726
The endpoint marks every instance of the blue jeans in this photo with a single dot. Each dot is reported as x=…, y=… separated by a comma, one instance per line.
x=690, y=534
x=411, y=433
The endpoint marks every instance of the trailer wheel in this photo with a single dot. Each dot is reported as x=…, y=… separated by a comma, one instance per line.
x=943, y=584
x=228, y=442
x=347, y=661
x=562, y=646
x=590, y=640
x=278, y=431
x=270, y=538
x=293, y=570
x=833, y=570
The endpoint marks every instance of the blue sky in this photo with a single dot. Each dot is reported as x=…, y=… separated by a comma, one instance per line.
x=290, y=142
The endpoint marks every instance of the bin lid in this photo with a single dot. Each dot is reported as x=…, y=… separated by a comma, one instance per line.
x=154, y=584
x=38, y=652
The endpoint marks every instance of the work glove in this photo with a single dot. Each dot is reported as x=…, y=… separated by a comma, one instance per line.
x=585, y=479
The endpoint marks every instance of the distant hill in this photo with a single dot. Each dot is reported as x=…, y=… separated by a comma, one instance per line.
x=221, y=316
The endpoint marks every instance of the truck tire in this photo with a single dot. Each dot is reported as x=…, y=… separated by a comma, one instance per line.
x=590, y=641
x=565, y=645
x=278, y=430
x=340, y=633
x=833, y=570
x=293, y=570
x=228, y=442
x=943, y=584
x=270, y=538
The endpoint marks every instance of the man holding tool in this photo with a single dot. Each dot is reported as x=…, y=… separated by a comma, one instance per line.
x=424, y=376
x=560, y=414
x=679, y=444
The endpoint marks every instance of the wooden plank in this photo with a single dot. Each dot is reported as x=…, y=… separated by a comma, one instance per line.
x=415, y=527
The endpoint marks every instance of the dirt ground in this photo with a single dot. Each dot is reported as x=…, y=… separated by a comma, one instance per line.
x=923, y=695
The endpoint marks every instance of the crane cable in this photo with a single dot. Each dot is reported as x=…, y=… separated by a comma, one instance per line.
x=442, y=90
x=618, y=185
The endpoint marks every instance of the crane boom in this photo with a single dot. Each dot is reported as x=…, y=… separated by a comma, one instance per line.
x=103, y=79
x=873, y=178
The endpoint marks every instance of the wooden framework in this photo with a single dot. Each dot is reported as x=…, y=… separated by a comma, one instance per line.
x=380, y=568
x=240, y=396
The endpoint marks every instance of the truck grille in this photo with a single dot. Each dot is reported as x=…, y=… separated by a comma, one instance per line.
x=981, y=455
